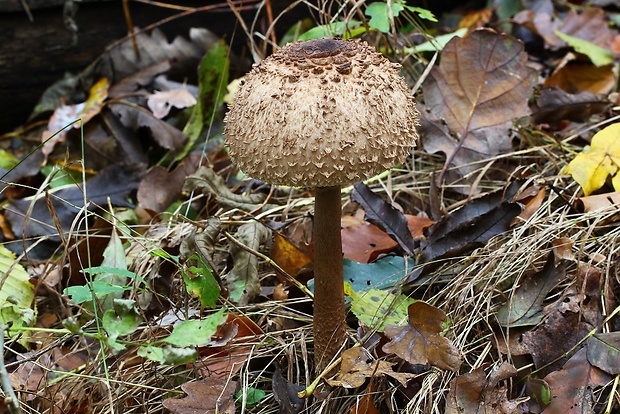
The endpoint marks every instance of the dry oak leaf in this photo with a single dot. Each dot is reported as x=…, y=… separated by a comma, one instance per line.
x=481, y=85
x=420, y=341
x=355, y=368
x=208, y=396
x=599, y=160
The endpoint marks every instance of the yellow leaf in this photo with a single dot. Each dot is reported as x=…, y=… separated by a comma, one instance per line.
x=597, y=162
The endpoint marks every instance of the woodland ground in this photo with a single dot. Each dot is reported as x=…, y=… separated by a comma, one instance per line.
x=144, y=273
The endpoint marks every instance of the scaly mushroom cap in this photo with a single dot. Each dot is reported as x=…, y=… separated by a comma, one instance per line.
x=321, y=113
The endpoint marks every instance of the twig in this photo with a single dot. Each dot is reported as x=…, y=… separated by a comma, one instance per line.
x=11, y=399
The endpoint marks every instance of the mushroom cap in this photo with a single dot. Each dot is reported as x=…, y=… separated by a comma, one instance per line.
x=321, y=113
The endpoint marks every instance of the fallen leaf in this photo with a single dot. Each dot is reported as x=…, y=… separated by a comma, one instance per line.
x=161, y=102
x=598, y=161
x=364, y=405
x=556, y=105
x=363, y=242
x=469, y=227
x=154, y=48
x=243, y=279
x=420, y=341
x=481, y=85
x=525, y=304
x=598, y=55
x=207, y=396
x=285, y=394
x=604, y=351
x=384, y=273
x=599, y=202
x=567, y=321
x=159, y=187
x=288, y=256
x=589, y=25
x=473, y=393
x=138, y=80
x=385, y=216
x=576, y=77
x=32, y=217
x=209, y=182
x=572, y=387
x=135, y=117
x=354, y=369
x=377, y=309
x=66, y=116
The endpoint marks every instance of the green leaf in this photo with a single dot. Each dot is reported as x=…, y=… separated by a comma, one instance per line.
x=95, y=270
x=437, y=43
x=379, y=13
x=422, y=13
x=81, y=294
x=168, y=354
x=598, y=55
x=591, y=167
x=16, y=294
x=203, y=285
x=7, y=159
x=123, y=319
x=113, y=258
x=212, y=82
x=378, y=308
x=333, y=29
x=545, y=395
x=253, y=395
x=196, y=333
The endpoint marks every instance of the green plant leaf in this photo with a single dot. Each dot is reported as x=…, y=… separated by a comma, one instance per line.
x=380, y=15
x=341, y=29
x=203, y=284
x=168, y=354
x=16, y=294
x=81, y=294
x=437, y=43
x=378, y=308
x=422, y=13
x=253, y=395
x=598, y=55
x=196, y=333
x=123, y=319
x=598, y=161
x=212, y=82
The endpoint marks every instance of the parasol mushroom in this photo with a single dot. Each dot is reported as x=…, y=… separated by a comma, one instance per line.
x=322, y=113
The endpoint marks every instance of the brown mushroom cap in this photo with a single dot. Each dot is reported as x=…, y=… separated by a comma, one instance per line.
x=321, y=113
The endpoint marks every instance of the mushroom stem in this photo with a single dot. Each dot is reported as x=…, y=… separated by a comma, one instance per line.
x=329, y=314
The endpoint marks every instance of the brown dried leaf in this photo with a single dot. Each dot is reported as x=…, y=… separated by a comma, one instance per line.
x=364, y=405
x=160, y=187
x=571, y=387
x=135, y=117
x=481, y=85
x=354, y=369
x=420, y=342
x=473, y=393
x=604, y=351
x=577, y=77
x=208, y=396
x=556, y=105
x=590, y=25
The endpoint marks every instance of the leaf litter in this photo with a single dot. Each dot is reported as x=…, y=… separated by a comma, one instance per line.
x=200, y=280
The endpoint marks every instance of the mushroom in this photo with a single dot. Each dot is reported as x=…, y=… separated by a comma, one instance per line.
x=322, y=113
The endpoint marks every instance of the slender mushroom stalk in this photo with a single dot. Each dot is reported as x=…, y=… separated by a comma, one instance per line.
x=329, y=315
x=322, y=114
